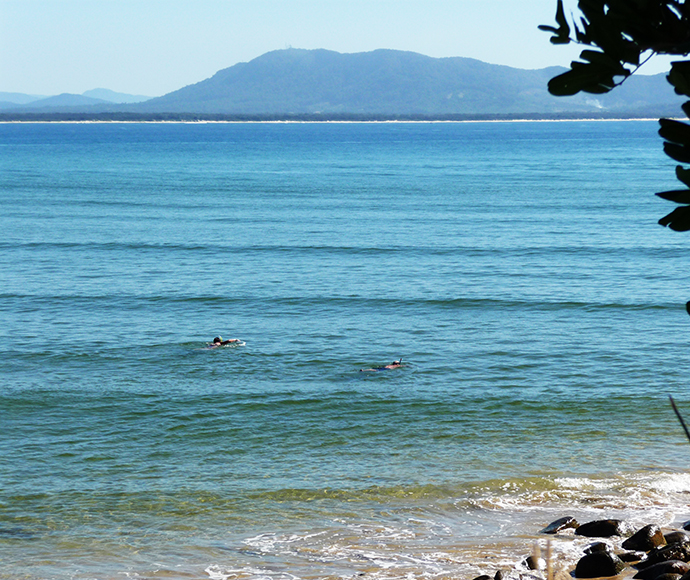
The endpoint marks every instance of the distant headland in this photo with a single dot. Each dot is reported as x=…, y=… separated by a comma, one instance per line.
x=382, y=85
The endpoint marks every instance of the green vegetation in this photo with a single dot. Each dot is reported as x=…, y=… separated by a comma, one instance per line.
x=621, y=35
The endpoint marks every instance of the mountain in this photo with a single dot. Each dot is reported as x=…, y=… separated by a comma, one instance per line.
x=390, y=82
x=100, y=99
x=64, y=100
x=378, y=84
x=19, y=98
x=11, y=100
x=113, y=97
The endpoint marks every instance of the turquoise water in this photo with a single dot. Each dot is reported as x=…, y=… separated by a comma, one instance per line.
x=516, y=267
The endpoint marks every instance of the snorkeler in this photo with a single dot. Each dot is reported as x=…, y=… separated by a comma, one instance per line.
x=396, y=364
x=218, y=341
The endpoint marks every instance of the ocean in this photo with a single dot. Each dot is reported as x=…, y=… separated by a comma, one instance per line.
x=516, y=268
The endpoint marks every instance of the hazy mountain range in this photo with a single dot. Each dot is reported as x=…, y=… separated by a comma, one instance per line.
x=87, y=98
x=383, y=82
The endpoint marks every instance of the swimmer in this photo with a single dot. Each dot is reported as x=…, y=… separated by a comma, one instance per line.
x=396, y=364
x=218, y=341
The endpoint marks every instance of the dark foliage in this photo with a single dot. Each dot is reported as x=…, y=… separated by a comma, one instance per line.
x=620, y=36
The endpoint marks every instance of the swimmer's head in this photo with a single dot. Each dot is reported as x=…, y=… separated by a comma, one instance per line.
x=217, y=340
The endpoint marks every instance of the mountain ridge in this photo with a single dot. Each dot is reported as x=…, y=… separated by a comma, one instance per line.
x=300, y=81
x=85, y=99
x=381, y=83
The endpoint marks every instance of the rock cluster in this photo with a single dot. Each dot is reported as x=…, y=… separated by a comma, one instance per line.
x=646, y=554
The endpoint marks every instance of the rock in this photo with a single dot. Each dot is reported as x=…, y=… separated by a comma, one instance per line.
x=535, y=563
x=598, y=547
x=632, y=556
x=668, y=567
x=498, y=575
x=601, y=529
x=598, y=564
x=677, y=537
x=483, y=577
x=645, y=539
x=560, y=525
x=664, y=553
x=669, y=576
x=686, y=525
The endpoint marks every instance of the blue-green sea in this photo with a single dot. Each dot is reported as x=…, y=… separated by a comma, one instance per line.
x=517, y=268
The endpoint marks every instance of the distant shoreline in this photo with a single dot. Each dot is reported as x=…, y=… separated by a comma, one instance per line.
x=296, y=119
x=313, y=122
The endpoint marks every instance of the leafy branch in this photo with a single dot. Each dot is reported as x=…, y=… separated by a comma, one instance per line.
x=621, y=35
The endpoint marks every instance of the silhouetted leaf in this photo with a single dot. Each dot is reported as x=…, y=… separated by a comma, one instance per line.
x=679, y=77
x=605, y=32
x=579, y=32
x=603, y=60
x=677, y=152
x=683, y=175
x=588, y=77
x=678, y=220
x=675, y=131
x=560, y=16
x=677, y=195
x=606, y=26
x=562, y=33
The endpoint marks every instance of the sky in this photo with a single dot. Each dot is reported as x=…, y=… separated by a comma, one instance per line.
x=153, y=47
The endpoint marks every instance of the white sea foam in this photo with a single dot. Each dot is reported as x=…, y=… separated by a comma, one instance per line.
x=216, y=572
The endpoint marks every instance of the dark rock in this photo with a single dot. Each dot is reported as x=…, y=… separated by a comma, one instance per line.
x=632, y=556
x=535, y=563
x=677, y=537
x=668, y=567
x=669, y=576
x=483, y=577
x=686, y=525
x=601, y=529
x=664, y=553
x=645, y=539
x=598, y=564
x=560, y=525
x=498, y=575
x=598, y=547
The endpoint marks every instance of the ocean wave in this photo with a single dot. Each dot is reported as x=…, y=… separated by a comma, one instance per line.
x=334, y=301
x=495, y=252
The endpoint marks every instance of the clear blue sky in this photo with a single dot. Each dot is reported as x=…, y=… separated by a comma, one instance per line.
x=152, y=47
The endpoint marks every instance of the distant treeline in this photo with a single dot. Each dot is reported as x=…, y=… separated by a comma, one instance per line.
x=192, y=117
